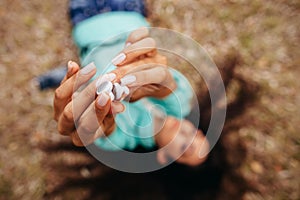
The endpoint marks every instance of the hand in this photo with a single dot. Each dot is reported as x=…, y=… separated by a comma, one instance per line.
x=142, y=69
x=81, y=115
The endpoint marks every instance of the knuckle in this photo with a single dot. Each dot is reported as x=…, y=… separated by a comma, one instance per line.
x=62, y=130
x=68, y=114
x=120, y=72
x=151, y=42
x=163, y=73
x=133, y=37
x=163, y=60
x=58, y=95
x=85, y=130
x=143, y=77
x=138, y=34
x=89, y=92
x=145, y=30
x=76, y=140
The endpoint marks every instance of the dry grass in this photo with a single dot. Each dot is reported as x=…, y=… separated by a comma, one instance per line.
x=35, y=36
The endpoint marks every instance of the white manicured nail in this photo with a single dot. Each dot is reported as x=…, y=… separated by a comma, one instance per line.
x=103, y=98
x=87, y=69
x=70, y=62
x=70, y=66
x=119, y=59
x=128, y=80
x=126, y=90
x=104, y=87
x=105, y=77
x=112, y=96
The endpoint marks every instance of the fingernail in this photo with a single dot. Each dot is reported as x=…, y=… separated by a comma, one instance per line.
x=127, y=44
x=105, y=77
x=69, y=67
x=119, y=59
x=104, y=87
x=126, y=90
x=73, y=64
x=112, y=96
x=103, y=98
x=70, y=62
x=128, y=80
x=88, y=69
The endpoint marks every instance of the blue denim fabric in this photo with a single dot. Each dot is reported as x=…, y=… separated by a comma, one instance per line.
x=83, y=9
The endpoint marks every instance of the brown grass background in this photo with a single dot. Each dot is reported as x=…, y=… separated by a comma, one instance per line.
x=255, y=42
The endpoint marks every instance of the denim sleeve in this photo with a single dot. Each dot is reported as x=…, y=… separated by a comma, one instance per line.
x=179, y=103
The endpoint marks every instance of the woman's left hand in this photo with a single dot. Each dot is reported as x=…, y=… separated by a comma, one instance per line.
x=142, y=69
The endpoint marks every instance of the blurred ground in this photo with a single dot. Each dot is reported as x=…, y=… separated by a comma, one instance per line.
x=35, y=37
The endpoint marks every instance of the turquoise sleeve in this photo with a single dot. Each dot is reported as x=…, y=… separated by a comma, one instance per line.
x=134, y=127
x=105, y=28
x=179, y=103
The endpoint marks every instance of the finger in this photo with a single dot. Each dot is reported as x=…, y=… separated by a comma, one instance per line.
x=117, y=107
x=149, y=90
x=160, y=59
x=64, y=92
x=74, y=109
x=104, y=114
x=92, y=119
x=102, y=106
x=139, y=65
x=135, y=50
x=88, y=123
x=90, y=127
x=84, y=98
x=108, y=125
x=154, y=75
x=76, y=139
x=80, y=141
x=137, y=35
x=65, y=122
x=73, y=68
x=88, y=120
x=109, y=128
x=84, y=75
